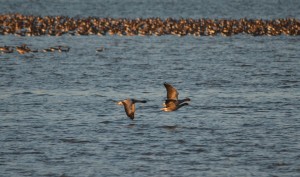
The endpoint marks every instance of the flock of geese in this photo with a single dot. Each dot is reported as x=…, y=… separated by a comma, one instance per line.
x=172, y=103
x=23, y=49
x=29, y=25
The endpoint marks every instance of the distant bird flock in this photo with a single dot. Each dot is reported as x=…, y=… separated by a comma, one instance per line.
x=29, y=25
x=23, y=49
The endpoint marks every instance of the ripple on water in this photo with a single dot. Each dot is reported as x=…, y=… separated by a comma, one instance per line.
x=59, y=114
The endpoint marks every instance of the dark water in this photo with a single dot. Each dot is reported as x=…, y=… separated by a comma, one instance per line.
x=58, y=112
x=156, y=8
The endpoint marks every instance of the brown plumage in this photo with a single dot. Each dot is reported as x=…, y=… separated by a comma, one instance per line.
x=172, y=103
x=22, y=49
x=129, y=106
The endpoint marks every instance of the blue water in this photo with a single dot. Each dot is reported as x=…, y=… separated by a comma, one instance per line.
x=58, y=111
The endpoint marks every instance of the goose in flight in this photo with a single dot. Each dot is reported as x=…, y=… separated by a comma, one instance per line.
x=129, y=106
x=172, y=103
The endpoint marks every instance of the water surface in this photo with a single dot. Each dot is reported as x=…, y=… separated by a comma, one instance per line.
x=59, y=115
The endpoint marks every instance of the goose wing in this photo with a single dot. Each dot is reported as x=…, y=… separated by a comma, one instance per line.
x=172, y=93
x=129, y=108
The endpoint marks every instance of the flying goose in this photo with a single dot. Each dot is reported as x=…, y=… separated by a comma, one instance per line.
x=129, y=106
x=172, y=103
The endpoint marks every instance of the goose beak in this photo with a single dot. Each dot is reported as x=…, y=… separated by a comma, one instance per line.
x=119, y=103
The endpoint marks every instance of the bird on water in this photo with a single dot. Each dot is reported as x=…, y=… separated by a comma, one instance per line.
x=172, y=103
x=129, y=106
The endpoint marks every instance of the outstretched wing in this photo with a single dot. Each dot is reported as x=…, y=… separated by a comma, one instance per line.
x=172, y=93
x=129, y=108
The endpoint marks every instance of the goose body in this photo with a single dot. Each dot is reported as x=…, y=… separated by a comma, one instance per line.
x=22, y=49
x=173, y=103
x=129, y=106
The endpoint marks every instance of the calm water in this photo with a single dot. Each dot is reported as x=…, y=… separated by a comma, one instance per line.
x=58, y=111
x=157, y=8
